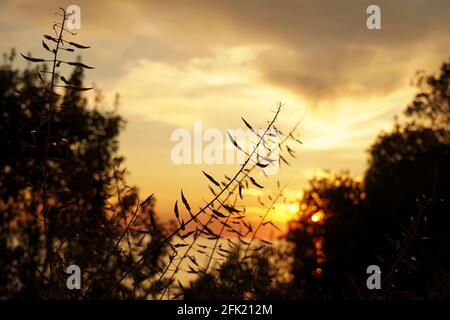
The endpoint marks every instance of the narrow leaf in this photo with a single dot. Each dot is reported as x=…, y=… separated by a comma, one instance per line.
x=46, y=36
x=211, y=179
x=194, y=261
x=32, y=59
x=79, y=64
x=77, y=88
x=272, y=224
x=175, y=209
x=185, y=202
x=45, y=46
x=248, y=125
x=255, y=183
x=291, y=152
x=40, y=77
x=210, y=231
x=262, y=165
x=284, y=160
x=219, y=214
x=234, y=142
x=147, y=200
x=212, y=190
x=231, y=209
x=79, y=46
x=187, y=234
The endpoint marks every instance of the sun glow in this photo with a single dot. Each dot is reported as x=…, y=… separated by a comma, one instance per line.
x=285, y=212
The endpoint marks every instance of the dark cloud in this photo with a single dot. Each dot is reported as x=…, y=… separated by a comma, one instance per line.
x=318, y=49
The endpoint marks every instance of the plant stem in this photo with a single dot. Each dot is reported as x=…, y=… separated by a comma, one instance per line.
x=45, y=156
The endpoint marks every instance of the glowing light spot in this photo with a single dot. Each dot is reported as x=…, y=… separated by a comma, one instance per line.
x=318, y=272
x=292, y=208
x=318, y=216
x=285, y=212
x=318, y=245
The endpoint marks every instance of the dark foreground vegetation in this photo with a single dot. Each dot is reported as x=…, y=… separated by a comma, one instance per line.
x=64, y=200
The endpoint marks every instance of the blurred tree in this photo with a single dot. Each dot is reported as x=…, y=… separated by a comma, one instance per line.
x=398, y=217
x=260, y=276
x=90, y=203
x=328, y=237
x=431, y=105
x=407, y=184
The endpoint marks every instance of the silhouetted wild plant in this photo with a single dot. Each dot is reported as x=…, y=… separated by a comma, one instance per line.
x=127, y=252
x=223, y=210
x=50, y=101
x=76, y=231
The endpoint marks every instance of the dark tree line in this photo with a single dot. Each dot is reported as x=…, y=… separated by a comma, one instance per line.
x=398, y=217
x=85, y=179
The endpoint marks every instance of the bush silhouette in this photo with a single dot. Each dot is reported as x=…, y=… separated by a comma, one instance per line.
x=397, y=217
x=85, y=174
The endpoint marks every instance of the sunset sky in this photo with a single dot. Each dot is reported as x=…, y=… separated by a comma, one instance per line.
x=176, y=62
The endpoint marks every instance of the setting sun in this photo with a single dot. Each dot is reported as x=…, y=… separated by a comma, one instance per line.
x=284, y=212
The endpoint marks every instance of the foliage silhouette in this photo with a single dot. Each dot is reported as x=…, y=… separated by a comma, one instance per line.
x=65, y=200
x=59, y=189
x=397, y=217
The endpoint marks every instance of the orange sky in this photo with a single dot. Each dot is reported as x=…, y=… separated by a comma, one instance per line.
x=176, y=62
